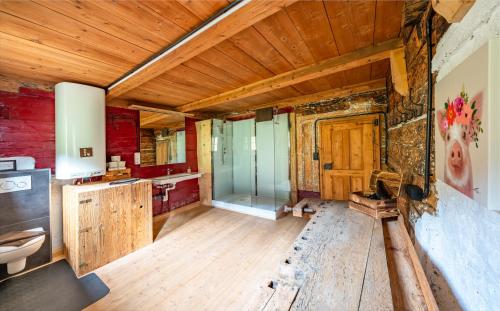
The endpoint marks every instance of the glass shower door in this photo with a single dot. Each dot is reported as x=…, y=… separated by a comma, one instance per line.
x=251, y=163
x=281, y=160
x=243, y=162
x=264, y=155
x=222, y=159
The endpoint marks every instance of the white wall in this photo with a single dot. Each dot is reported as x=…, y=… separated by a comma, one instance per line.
x=460, y=251
x=56, y=213
x=459, y=247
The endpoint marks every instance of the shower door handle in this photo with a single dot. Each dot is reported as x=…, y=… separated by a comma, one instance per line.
x=328, y=166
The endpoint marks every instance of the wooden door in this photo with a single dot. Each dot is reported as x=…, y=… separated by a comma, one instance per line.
x=349, y=151
x=142, y=221
x=115, y=223
x=90, y=250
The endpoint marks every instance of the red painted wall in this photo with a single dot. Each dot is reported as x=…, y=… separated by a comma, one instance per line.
x=302, y=194
x=27, y=127
x=122, y=138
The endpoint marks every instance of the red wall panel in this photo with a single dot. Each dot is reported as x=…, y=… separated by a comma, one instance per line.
x=122, y=138
x=302, y=194
x=27, y=128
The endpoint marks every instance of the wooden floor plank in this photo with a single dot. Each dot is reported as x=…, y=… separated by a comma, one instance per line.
x=215, y=261
x=337, y=263
x=337, y=281
x=376, y=295
x=406, y=291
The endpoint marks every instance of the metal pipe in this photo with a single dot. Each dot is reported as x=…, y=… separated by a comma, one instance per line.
x=213, y=20
x=429, y=106
x=415, y=192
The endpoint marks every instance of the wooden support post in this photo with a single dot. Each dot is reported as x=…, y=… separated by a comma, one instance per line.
x=452, y=10
x=293, y=159
x=204, y=141
x=398, y=71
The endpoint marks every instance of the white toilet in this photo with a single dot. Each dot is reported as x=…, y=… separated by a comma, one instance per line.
x=14, y=253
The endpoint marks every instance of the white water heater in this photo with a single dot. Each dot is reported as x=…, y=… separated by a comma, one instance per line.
x=80, y=131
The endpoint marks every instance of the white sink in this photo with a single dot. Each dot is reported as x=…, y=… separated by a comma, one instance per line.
x=174, y=178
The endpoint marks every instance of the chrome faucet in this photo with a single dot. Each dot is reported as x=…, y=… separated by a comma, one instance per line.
x=169, y=171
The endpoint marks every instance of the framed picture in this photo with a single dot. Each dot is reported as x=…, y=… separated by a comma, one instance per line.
x=467, y=137
x=7, y=165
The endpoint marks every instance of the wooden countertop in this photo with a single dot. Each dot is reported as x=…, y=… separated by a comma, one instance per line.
x=101, y=185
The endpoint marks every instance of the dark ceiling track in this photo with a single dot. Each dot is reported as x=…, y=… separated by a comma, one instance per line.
x=415, y=192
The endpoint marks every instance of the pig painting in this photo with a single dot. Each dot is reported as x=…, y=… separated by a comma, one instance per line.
x=460, y=125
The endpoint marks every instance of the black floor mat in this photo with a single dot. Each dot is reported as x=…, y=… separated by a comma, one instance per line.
x=51, y=288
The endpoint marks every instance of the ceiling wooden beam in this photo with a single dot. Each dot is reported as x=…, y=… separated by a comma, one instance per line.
x=347, y=61
x=241, y=19
x=170, y=125
x=152, y=119
x=452, y=10
x=398, y=71
x=368, y=86
x=158, y=109
x=160, y=113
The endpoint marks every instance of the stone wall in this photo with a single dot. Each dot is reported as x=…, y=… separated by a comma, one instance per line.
x=459, y=241
x=407, y=116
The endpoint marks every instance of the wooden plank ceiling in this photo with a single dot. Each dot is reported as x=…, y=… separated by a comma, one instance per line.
x=154, y=120
x=97, y=41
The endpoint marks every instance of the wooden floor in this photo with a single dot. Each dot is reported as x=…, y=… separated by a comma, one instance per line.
x=216, y=261
x=165, y=223
x=337, y=263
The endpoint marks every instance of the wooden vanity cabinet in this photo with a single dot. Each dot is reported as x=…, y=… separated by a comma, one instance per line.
x=102, y=223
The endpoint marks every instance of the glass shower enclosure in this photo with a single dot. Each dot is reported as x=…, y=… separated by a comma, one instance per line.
x=250, y=165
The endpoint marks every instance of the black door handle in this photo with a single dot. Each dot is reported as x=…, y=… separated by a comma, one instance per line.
x=328, y=166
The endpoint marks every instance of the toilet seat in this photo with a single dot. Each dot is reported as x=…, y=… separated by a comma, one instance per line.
x=18, y=238
x=19, y=245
